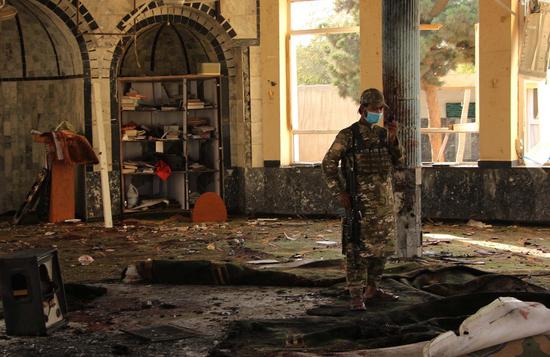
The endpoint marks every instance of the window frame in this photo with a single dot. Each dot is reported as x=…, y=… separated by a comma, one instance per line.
x=292, y=90
x=528, y=108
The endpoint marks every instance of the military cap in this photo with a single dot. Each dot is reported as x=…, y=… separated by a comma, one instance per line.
x=373, y=96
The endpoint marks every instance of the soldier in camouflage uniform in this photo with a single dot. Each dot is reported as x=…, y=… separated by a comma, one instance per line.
x=377, y=151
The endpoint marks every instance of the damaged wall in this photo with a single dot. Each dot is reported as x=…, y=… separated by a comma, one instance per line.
x=516, y=194
x=40, y=85
x=218, y=32
x=230, y=27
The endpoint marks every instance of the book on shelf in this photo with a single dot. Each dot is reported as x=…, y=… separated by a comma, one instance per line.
x=133, y=134
x=168, y=108
x=197, y=167
x=129, y=167
x=130, y=101
x=171, y=132
x=197, y=121
x=202, y=129
x=194, y=103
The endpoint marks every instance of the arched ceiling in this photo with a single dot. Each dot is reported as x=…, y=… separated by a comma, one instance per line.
x=37, y=44
x=166, y=49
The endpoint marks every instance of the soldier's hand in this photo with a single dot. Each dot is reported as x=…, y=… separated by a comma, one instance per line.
x=345, y=200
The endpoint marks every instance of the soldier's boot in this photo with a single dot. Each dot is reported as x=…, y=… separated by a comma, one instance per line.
x=373, y=292
x=356, y=299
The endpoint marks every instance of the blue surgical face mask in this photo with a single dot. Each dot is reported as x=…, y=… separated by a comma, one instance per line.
x=373, y=118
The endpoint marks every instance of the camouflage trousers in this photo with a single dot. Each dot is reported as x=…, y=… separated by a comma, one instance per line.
x=366, y=253
x=362, y=270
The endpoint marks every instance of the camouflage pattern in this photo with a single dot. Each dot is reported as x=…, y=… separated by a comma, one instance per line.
x=373, y=96
x=374, y=187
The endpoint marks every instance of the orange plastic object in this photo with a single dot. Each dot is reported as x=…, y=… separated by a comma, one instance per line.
x=209, y=208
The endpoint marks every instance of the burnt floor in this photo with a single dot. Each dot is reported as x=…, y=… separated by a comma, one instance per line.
x=96, y=329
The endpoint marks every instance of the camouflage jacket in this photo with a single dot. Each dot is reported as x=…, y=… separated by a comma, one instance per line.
x=378, y=156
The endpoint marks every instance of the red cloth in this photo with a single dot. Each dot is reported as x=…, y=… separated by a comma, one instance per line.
x=75, y=148
x=163, y=170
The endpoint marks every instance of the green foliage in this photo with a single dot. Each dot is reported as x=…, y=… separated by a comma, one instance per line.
x=312, y=62
x=344, y=64
x=334, y=59
x=442, y=51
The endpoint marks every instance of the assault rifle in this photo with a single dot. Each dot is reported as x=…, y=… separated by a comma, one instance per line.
x=351, y=231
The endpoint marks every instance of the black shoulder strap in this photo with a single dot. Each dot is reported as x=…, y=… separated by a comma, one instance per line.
x=357, y=138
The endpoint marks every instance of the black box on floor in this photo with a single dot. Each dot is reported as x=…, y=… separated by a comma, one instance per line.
x=32, y=292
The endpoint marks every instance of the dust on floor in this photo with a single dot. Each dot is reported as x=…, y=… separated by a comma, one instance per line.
x=96, y=330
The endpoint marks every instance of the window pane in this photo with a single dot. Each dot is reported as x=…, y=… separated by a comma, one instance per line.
x=537, y=146
x=468, y=141
x=311, y=147
x=323, y=13
x=326, y=74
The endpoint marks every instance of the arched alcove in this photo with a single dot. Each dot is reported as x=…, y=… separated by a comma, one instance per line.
x=41, y=84
x=166, y=49
x=176, y=44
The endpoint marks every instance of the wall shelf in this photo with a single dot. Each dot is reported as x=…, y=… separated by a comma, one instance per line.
x=184, y=184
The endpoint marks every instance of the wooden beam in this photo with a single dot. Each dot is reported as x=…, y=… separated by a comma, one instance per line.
x=463, y=120
x=430, y=27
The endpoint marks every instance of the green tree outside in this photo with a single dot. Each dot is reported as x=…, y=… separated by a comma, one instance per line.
x=334, y=59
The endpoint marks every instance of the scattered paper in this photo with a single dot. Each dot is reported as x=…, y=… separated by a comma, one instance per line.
x=289, y=237
x=327, y=242
x=49, y=233
x=211, y=246
x=85, y=260
x=264, y=261
x=477, y=224
x=159, y=146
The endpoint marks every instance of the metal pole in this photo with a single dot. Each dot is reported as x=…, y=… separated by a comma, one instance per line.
x=401, y=76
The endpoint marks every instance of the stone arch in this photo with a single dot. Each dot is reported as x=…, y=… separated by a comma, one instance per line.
x=66, y=11
x=44, y=78
x=197, y=15
x=200, y=18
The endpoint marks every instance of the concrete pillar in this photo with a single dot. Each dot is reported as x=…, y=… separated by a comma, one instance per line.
x=370, y=13
x=498, y=83
x=273, y=32
x=401, y=75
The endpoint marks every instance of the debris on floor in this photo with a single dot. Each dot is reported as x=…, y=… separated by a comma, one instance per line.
x=256, y=251
x=159, y=333
x=477, y=224
x=505, y=319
